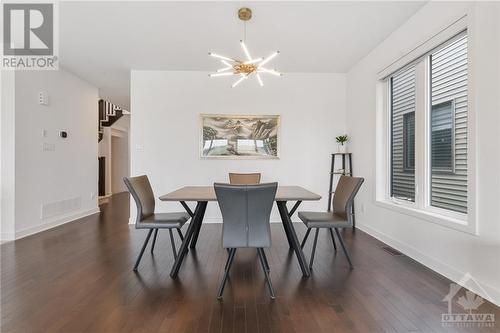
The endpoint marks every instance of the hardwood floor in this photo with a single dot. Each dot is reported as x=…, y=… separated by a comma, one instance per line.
x=79, y=278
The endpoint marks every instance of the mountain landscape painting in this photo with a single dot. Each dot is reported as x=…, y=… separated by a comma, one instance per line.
x=236, y=136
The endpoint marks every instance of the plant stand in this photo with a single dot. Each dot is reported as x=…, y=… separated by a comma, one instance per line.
x=344, y=172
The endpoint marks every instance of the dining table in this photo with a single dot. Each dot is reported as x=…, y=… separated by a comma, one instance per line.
x=204, y=194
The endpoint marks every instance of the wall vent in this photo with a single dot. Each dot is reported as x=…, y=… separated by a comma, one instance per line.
x=392, y=251
x=62, y=207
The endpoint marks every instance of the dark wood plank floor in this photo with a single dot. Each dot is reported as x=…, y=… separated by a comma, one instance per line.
x=79, y=278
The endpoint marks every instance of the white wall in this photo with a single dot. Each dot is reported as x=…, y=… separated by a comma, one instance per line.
x=68, y=172
x=165, y=129
x=7, y=154
x=448, y=251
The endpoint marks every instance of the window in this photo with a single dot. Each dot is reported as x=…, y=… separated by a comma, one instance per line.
x=448, y=90
x=403, y=135
x=428, y=105
x=409, y=141
x=442, y=139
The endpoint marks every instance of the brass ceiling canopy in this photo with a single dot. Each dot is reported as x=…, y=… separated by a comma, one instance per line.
x=245, y=14
x=242, y=68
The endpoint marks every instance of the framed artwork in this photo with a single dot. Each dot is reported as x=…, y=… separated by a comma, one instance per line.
x=226, y=136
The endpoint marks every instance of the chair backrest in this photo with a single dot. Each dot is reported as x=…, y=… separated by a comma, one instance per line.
x=244, y=178
x=346, y=190
x=141, y=191
x=246, y=210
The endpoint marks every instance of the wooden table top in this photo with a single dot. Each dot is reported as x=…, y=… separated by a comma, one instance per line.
x=207, y=193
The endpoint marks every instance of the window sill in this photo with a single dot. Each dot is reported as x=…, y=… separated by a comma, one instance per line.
x=443, y=220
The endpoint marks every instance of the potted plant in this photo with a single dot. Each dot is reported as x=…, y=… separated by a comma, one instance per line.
x=342, y=143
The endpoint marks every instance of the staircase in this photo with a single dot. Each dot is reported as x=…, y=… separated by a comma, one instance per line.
x=109, y=113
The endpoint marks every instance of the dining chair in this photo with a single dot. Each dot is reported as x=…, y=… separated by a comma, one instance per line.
x=244, y=178
x=341, y=217
x=246, y=210
x=140, y=189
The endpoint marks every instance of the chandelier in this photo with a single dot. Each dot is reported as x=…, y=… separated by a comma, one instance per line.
x=244, y=68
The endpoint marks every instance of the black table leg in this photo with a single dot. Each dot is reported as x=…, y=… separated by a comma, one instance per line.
x=287, y=232
x=196, y=232
x=285, y=227
x=294, y=208
x=186, y=207
x=197, y=219
x=287, y=223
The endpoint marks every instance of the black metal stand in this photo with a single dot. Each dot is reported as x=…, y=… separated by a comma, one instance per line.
x=344, y=172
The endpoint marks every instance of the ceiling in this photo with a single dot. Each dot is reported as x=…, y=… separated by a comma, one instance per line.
x=102, y=41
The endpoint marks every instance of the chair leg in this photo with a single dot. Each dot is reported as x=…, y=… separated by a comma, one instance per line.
x=305, y=238
x=333, y=239
x=172, y=242
x=180, y=234
x=142, y=250
x=343, y=247
x=229, y=262
x=265, y=259
x=314, y=248
x=228, y=250
x=154, y=240
x=261, y=253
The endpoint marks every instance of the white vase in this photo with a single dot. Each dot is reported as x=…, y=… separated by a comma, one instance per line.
x=342, y=148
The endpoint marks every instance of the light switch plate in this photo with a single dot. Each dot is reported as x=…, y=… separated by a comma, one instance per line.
x=49, y=146
x=43, y=98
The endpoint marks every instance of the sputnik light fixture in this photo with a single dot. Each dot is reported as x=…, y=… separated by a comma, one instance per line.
x=244, y=68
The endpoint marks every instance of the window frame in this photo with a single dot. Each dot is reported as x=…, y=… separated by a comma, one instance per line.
x=421, y=208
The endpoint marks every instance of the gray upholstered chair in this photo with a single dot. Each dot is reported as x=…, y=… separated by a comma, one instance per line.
x=341, y=217
x=140, y=189
x=244, y=178
x=246, y=210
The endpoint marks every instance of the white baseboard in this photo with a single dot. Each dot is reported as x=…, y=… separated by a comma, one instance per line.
x=484, y=290
x=55, y=222
x=7, y=237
